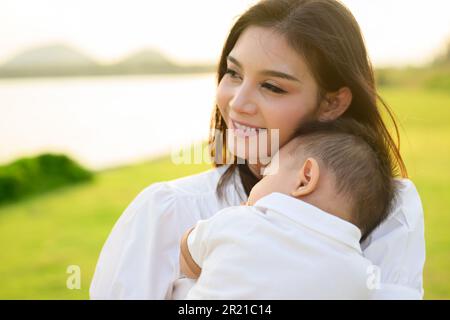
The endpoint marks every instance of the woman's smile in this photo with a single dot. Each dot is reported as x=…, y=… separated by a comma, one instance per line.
x=244, y=130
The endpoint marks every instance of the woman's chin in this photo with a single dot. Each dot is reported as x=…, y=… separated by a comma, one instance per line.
x=248, y=148
x=245, y=152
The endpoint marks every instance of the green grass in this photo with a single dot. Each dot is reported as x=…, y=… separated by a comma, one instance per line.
x=432, y=77
x=425, y=120
x=41, y=236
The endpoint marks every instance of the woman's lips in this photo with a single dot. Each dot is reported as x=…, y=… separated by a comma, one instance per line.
x=243, y=130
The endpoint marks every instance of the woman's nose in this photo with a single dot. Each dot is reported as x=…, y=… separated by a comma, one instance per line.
x=242, y=101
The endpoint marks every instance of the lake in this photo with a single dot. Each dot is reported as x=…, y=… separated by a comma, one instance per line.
x=104, y=122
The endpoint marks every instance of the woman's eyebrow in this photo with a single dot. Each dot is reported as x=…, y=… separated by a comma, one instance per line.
x=272, y=73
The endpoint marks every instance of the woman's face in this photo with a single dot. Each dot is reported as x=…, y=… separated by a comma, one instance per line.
x=267, y=86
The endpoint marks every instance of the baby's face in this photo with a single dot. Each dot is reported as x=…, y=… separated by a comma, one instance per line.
x=279, y=176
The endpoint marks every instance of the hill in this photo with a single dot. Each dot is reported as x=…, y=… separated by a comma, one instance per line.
x=61, y=60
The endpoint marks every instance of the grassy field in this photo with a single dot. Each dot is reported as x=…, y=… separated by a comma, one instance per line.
x=41, y=236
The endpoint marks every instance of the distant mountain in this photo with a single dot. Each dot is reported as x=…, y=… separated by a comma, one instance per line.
x=146, y=61
x=146, y=57
x=60, y=60
x=51, y=56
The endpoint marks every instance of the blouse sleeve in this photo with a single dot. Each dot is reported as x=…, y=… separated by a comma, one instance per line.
x=137, y=260
x=397, y=248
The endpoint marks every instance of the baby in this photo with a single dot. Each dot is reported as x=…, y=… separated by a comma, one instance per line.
x=298, y=236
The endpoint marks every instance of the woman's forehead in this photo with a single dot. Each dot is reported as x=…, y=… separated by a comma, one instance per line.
x=263, y=48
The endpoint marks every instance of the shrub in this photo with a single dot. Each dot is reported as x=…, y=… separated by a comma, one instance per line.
x=439, y=82
x=34, y=175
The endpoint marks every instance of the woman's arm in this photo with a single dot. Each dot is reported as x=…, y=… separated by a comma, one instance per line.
x=397, y=248
x=139, y=260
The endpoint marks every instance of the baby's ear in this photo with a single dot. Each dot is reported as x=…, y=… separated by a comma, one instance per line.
x=308, y=176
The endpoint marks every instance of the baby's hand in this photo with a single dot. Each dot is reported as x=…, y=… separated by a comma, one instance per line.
x=187, y=264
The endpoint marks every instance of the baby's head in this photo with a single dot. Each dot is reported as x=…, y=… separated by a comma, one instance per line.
x=339, y=167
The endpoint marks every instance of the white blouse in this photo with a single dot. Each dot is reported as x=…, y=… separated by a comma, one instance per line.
x=140, y=258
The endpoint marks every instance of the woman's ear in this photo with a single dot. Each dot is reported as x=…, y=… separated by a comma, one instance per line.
x=335, y=104
x=308, y=178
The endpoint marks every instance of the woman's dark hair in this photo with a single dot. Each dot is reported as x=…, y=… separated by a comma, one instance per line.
x=327, y=36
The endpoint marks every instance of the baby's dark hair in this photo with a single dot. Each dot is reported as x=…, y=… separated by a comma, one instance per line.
x=361, y=164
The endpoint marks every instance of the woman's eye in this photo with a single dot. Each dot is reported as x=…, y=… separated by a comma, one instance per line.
x=273, y=88
x=231, y=72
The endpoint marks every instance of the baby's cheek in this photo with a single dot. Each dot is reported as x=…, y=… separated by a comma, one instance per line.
x=260, y=190
x=254, y=194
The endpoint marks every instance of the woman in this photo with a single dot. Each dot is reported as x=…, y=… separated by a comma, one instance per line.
x=284, y=63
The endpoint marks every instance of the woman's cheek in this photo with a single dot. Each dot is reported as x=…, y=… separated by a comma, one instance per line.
x=222, y=99
x=285, y=125
x=292, y=119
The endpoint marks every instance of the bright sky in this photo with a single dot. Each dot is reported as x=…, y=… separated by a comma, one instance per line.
x=396, y=31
